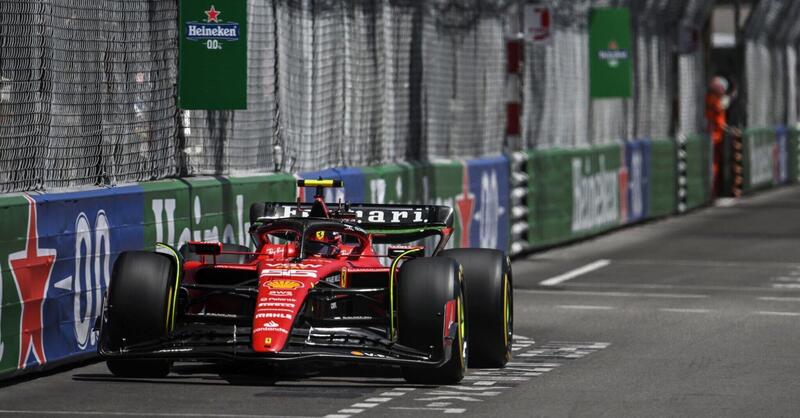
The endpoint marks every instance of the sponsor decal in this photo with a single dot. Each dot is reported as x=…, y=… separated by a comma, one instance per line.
x=212, y=29
x=271, y=329
x=613, y=54
x=594, y=196
x=31, y=269
x=277, y=315
x=290, y=311
x=281, y=293
x=288, y=273
x=410, y=215
x=292, y=265
x=271, y=299
x=336, y=278
x=284, y=284
x=276, y=304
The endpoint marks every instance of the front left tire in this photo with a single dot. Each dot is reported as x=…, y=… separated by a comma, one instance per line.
x=139, y=310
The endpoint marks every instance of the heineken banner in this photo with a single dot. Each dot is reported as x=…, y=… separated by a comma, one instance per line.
x=610, y=53
x=213, y=54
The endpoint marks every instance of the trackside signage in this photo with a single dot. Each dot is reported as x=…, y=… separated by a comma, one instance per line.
x=213, y=54
x=595, y=192
x=610, y=64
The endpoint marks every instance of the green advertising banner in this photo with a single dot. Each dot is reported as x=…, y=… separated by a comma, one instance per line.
x=574, y=193
x=610, y=53
x=663, y=178
x=213, y=54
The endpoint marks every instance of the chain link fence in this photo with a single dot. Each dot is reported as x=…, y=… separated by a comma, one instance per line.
x=89, y=97
x=88, y=93
x=88, y=87
x=771, y=38
x=668, y=76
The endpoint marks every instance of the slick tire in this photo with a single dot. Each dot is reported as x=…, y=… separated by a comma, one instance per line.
x=490, y=304
x=424, y=288
x=140, y=298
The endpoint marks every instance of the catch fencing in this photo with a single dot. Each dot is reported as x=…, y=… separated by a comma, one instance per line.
x=557, y=109
x=88, y=92
x=89, y=97
x=771, y=38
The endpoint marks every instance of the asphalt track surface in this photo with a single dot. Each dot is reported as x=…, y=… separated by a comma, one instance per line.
x=688, y=316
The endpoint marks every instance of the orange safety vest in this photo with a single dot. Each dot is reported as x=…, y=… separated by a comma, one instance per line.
x=715, y=115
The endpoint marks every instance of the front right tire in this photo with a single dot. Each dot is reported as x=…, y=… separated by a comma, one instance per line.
x=429, y=291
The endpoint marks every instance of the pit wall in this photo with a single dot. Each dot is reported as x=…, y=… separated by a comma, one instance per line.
x=57, y=249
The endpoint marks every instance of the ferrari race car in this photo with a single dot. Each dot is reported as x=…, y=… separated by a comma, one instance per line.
x=329, y=282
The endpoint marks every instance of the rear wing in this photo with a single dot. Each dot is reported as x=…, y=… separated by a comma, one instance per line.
x=367, y=216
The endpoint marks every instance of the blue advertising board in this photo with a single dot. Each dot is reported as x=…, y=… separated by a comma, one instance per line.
x=489, y=183
x=78, y=237
x=637, y=162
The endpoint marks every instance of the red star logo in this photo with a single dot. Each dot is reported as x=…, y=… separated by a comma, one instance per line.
x=611, y=45
x=465, y=203
x=31, y=269
x=212, y=15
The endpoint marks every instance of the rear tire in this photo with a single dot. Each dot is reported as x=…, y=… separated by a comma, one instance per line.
x=138, y=304
x=425, y=286
x=490, y=303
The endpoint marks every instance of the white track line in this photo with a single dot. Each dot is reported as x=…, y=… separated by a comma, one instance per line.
x=685, y=310
x=612, y=294
x=137, y=414
x=575, y=273
x=778, y=299
x=588, y=307
x=777, y=313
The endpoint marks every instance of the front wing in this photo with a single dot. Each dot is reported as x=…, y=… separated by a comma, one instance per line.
x=213, y=342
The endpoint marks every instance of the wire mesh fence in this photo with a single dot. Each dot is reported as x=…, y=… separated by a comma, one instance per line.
x=669, y=80
x=771, y=38
x=88, y=91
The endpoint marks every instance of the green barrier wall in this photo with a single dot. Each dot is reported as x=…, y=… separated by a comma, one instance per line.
x=758, y=153
x=663, y=193
x=698, y=171
x=208, y=208
x=573, y=193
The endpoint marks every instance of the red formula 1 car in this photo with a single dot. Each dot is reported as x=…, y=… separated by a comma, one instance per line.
x=340, y=283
